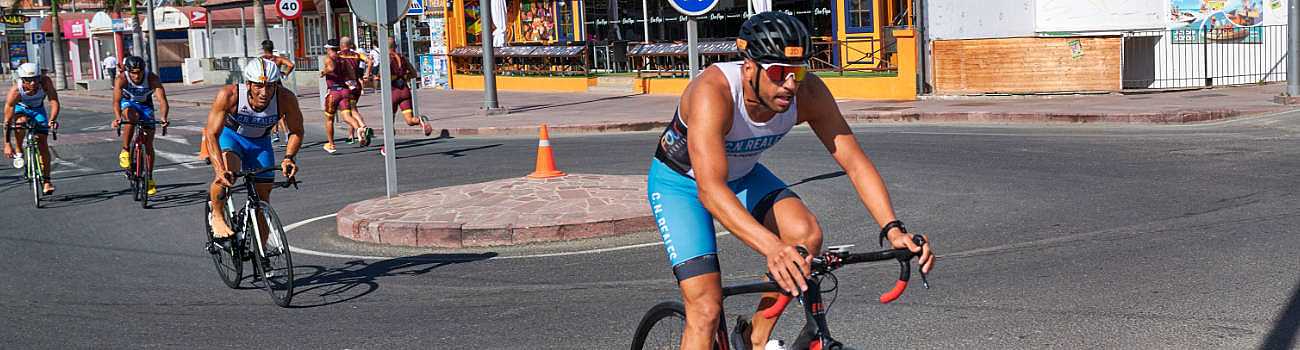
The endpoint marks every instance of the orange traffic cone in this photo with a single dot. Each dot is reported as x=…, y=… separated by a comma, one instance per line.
x=545, y=161
x=203, y=147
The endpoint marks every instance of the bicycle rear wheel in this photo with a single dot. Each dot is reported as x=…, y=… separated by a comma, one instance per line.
x=275, y=264
x=661, y=328
x=225, y=252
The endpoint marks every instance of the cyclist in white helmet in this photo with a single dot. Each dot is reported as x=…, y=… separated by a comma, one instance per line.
x=26, y=100
x=240, y=121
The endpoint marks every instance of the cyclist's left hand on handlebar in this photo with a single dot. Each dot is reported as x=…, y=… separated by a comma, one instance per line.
x=908, y=241
x=54, y=124
x=289, y=168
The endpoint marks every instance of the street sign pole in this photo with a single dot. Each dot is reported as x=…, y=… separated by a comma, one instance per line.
x=386, y=98
x=382, y=19
x=693, y=9
x=1293, y=49
x=692, y=44
x=489, y=76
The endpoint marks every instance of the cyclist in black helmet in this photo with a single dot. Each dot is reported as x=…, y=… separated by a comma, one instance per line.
x=735, y=111
x=133, y=92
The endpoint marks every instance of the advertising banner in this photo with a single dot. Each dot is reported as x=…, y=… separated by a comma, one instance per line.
x=1238, y=21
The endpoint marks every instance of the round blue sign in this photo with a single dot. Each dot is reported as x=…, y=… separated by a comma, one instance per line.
x=693, y=7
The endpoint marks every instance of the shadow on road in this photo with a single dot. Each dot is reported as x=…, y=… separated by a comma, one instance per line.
x=326, y=286
x=819, y=177
x=1284, y=330
x=164, y=198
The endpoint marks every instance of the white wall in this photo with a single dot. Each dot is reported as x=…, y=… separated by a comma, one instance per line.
x=1100, y=15
x=967, y=19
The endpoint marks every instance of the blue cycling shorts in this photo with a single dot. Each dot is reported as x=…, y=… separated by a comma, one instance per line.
x=687, y=227
x=42, y=120
x=253, y=153
x=145, y=111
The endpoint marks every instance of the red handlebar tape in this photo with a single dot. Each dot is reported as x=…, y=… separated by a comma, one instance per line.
x=778, y=307
x=894, y=293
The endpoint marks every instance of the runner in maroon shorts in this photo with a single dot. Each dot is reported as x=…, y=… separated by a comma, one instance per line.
x=352, y=60
x=403, y=73
x=338, y=99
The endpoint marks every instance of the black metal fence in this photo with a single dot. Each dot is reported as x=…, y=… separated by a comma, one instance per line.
x=1178, y=58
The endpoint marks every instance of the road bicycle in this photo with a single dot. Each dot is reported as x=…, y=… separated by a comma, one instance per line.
x=272, y=263
x=140, y=170
x=33, y=169
x=661, y=327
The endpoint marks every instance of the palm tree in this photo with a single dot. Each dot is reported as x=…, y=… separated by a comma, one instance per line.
x=259, y=22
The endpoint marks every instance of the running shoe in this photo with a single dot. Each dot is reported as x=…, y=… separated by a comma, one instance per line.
x=383, y=151
x=424, y=124
x=18, y=161
x=328, y=148
x=366, y=135
x=350, y=140
x=774, y=344
x=275, y=137
x=124, y=159
x=153, y=187
x=49, y=189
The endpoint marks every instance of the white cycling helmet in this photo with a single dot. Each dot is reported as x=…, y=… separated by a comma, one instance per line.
x=28, y=70
x=260, y=70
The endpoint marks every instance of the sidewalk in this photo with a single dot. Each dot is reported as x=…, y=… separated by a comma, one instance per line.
x=457, y=110
x=522, y=210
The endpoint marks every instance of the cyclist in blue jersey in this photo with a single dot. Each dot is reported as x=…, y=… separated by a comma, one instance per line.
x=26, y=99
x=737, y=110
x=133, y=92
x=240, y=121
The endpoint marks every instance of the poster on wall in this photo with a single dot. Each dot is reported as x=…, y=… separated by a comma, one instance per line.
x=1199, y=21
x=537, y=21
x=433, y=71
x=437, y=36
x=15, y=39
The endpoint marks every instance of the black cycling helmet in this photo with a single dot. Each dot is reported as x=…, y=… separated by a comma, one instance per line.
x=774, y=37
x=133, y=64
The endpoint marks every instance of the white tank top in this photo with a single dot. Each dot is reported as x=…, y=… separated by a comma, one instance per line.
x=138, y=93
x=744, y=143
x=33, y=101
x=250, y=123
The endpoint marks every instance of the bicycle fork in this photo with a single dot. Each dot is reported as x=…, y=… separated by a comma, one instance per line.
x=815, y=334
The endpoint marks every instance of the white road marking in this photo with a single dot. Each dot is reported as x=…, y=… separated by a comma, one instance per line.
x=173, y=138
x=295, y=225
x=186, y=160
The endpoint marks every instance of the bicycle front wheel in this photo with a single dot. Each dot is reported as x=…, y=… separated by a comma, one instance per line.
x=34, y=172
x=225, y=253
x=275, y=264
x=139, y=168
x=661, y=327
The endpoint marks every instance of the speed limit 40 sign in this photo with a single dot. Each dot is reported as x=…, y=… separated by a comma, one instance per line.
x=289, y=9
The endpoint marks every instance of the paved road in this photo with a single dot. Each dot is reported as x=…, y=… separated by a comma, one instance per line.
x=1076, y=236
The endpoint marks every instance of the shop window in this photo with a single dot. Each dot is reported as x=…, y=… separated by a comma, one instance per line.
x=314, y=33
x=857, y=16
x=564, y=10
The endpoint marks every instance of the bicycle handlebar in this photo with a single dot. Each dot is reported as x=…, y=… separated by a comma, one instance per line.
x=15, y=126
x=293, y=181
x=830, y=261
x=124, y=122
